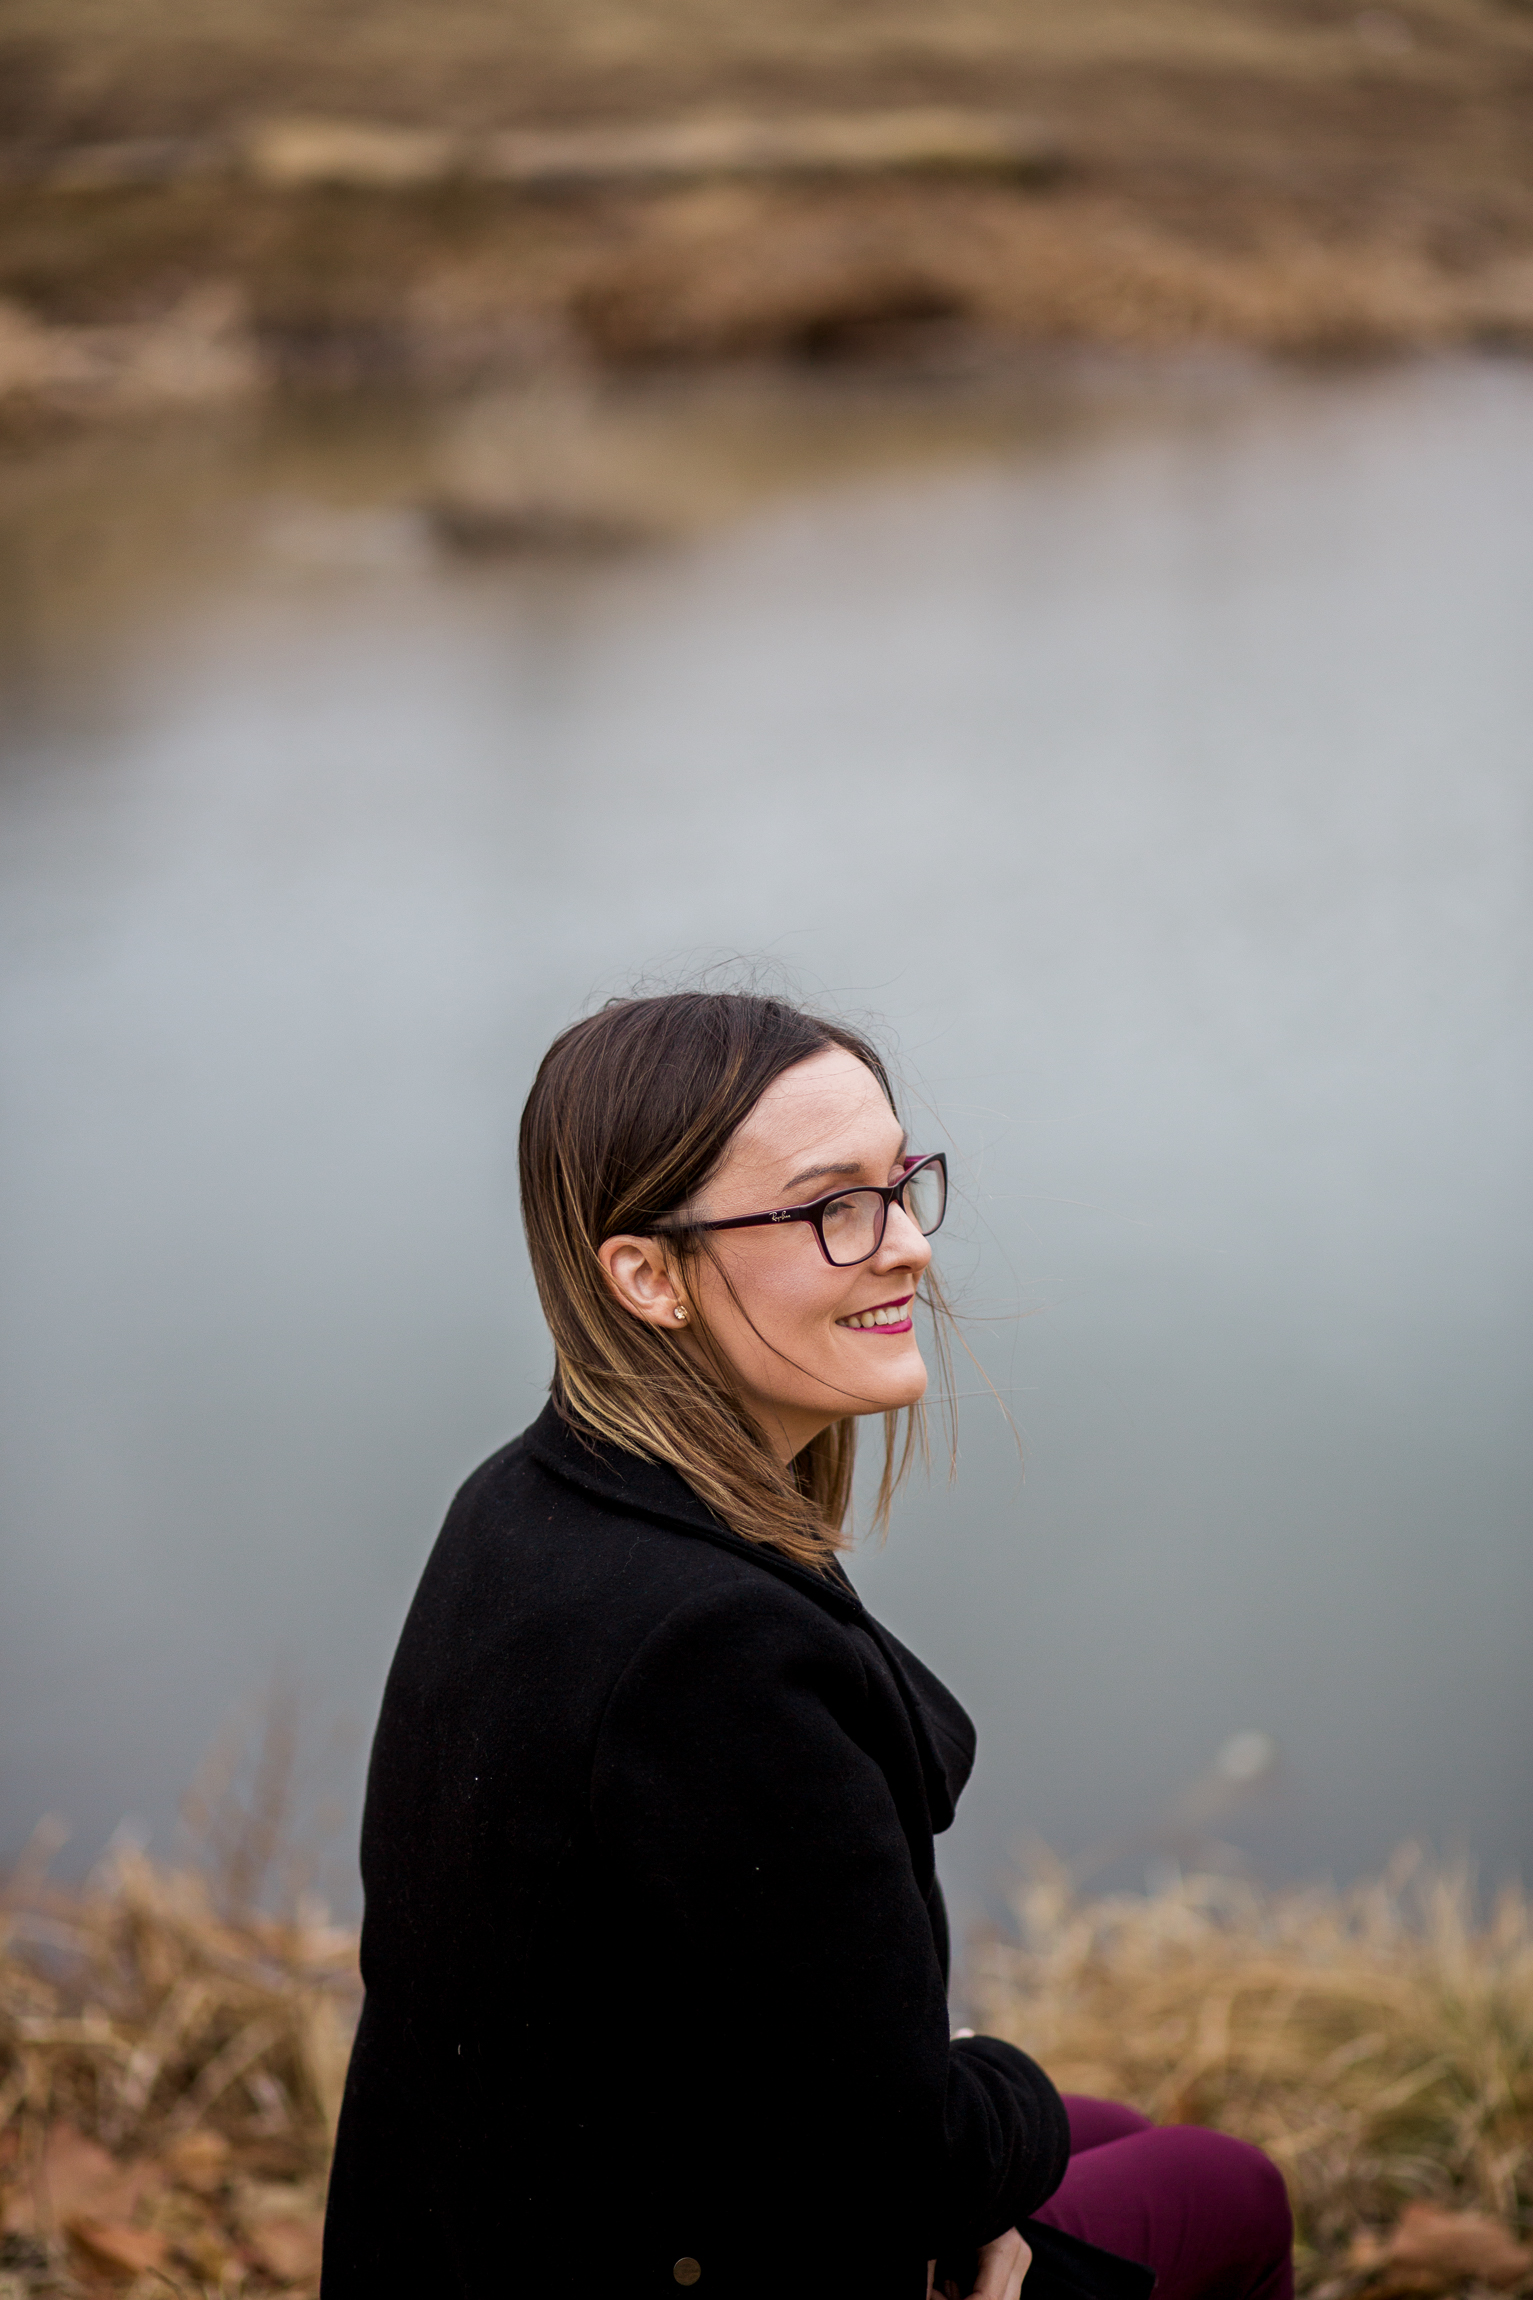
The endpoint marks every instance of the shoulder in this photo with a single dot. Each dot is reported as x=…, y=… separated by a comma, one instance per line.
x=733, y=1619
x=744, y=1698
x=502, y=1486
x=530, y=1561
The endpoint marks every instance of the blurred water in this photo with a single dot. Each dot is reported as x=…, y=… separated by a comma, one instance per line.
x=1164, y=784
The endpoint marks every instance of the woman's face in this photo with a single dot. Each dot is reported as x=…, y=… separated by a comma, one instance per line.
x=789, y=1327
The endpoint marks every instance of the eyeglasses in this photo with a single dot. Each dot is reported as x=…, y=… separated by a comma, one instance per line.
x=850, y=1223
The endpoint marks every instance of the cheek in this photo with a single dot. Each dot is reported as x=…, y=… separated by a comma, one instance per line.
x=799, y=1291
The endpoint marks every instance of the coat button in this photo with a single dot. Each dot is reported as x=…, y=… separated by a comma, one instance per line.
x=686, y=2270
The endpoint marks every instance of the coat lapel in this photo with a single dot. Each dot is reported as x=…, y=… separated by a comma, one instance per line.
x=653, y=1490
x=944, y=1736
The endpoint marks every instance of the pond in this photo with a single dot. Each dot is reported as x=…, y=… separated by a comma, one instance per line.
x=1149, y=759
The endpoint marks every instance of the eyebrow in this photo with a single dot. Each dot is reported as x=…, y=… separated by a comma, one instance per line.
x=821, y=1173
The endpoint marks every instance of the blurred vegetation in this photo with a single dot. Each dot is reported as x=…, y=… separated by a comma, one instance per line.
x=172, y=2052
x=1298, y=175
x=171, y=2076
x=171, y=2059
x=1378, y=2043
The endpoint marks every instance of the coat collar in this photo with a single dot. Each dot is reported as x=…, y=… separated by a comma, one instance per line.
x=653, y=1490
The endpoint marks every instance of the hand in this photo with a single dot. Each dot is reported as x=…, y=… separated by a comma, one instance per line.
x=1002, y=2266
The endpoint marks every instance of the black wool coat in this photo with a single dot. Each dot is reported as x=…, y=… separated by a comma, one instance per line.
x=654, y=1948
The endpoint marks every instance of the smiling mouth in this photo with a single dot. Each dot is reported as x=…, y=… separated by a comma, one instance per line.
x=883, y=1318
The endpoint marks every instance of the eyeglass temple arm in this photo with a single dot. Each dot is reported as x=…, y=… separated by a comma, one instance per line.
x=887, y=1191
x=756, y=1221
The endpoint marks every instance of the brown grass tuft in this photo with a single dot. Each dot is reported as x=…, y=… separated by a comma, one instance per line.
x=1377, y=2042
x=170, y=2066
x=170, y=2074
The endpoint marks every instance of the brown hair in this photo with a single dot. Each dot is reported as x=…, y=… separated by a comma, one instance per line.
x=629, y=1115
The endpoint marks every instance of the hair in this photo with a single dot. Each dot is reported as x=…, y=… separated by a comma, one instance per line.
x=630, y=1114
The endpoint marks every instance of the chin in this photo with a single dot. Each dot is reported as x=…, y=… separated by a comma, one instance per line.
x=906, y=1386
x=881, y=1388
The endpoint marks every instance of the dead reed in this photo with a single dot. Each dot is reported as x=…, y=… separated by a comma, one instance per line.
x=200, y=205
x=169, y=2080
x=172, y=2054
x=171, y=2062
x=1377, y=2042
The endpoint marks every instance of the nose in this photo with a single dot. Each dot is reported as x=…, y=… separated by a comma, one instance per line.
x=902, y=1246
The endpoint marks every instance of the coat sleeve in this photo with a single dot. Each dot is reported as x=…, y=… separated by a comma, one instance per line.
x=746, y=1820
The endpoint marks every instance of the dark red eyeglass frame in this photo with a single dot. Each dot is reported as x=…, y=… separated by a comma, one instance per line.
x=814, y=1212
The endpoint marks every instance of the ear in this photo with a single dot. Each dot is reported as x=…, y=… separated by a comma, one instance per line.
x=641, y=1280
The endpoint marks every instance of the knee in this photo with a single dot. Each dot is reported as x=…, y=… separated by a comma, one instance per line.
x=1245, y=2178
x=1269, y=2195
x=1095, y=2122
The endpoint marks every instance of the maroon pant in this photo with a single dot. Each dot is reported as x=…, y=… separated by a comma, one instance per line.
x=1209, y=2214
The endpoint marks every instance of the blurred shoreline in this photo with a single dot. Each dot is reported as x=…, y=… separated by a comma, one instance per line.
x=295, y=199
x=107, y=524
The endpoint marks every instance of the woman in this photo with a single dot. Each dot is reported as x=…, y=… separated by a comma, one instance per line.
x=655, y=1953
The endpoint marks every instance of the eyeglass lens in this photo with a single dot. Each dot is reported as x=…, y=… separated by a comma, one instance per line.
x=854, y=1224
x=925, y=1199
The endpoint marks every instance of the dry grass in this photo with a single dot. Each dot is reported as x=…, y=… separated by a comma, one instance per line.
x=1378, y=2042
x=1295, y=175
x=89, y=69
x=171, y=2063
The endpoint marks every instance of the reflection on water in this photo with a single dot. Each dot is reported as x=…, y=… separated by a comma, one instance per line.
x=1159, y=771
